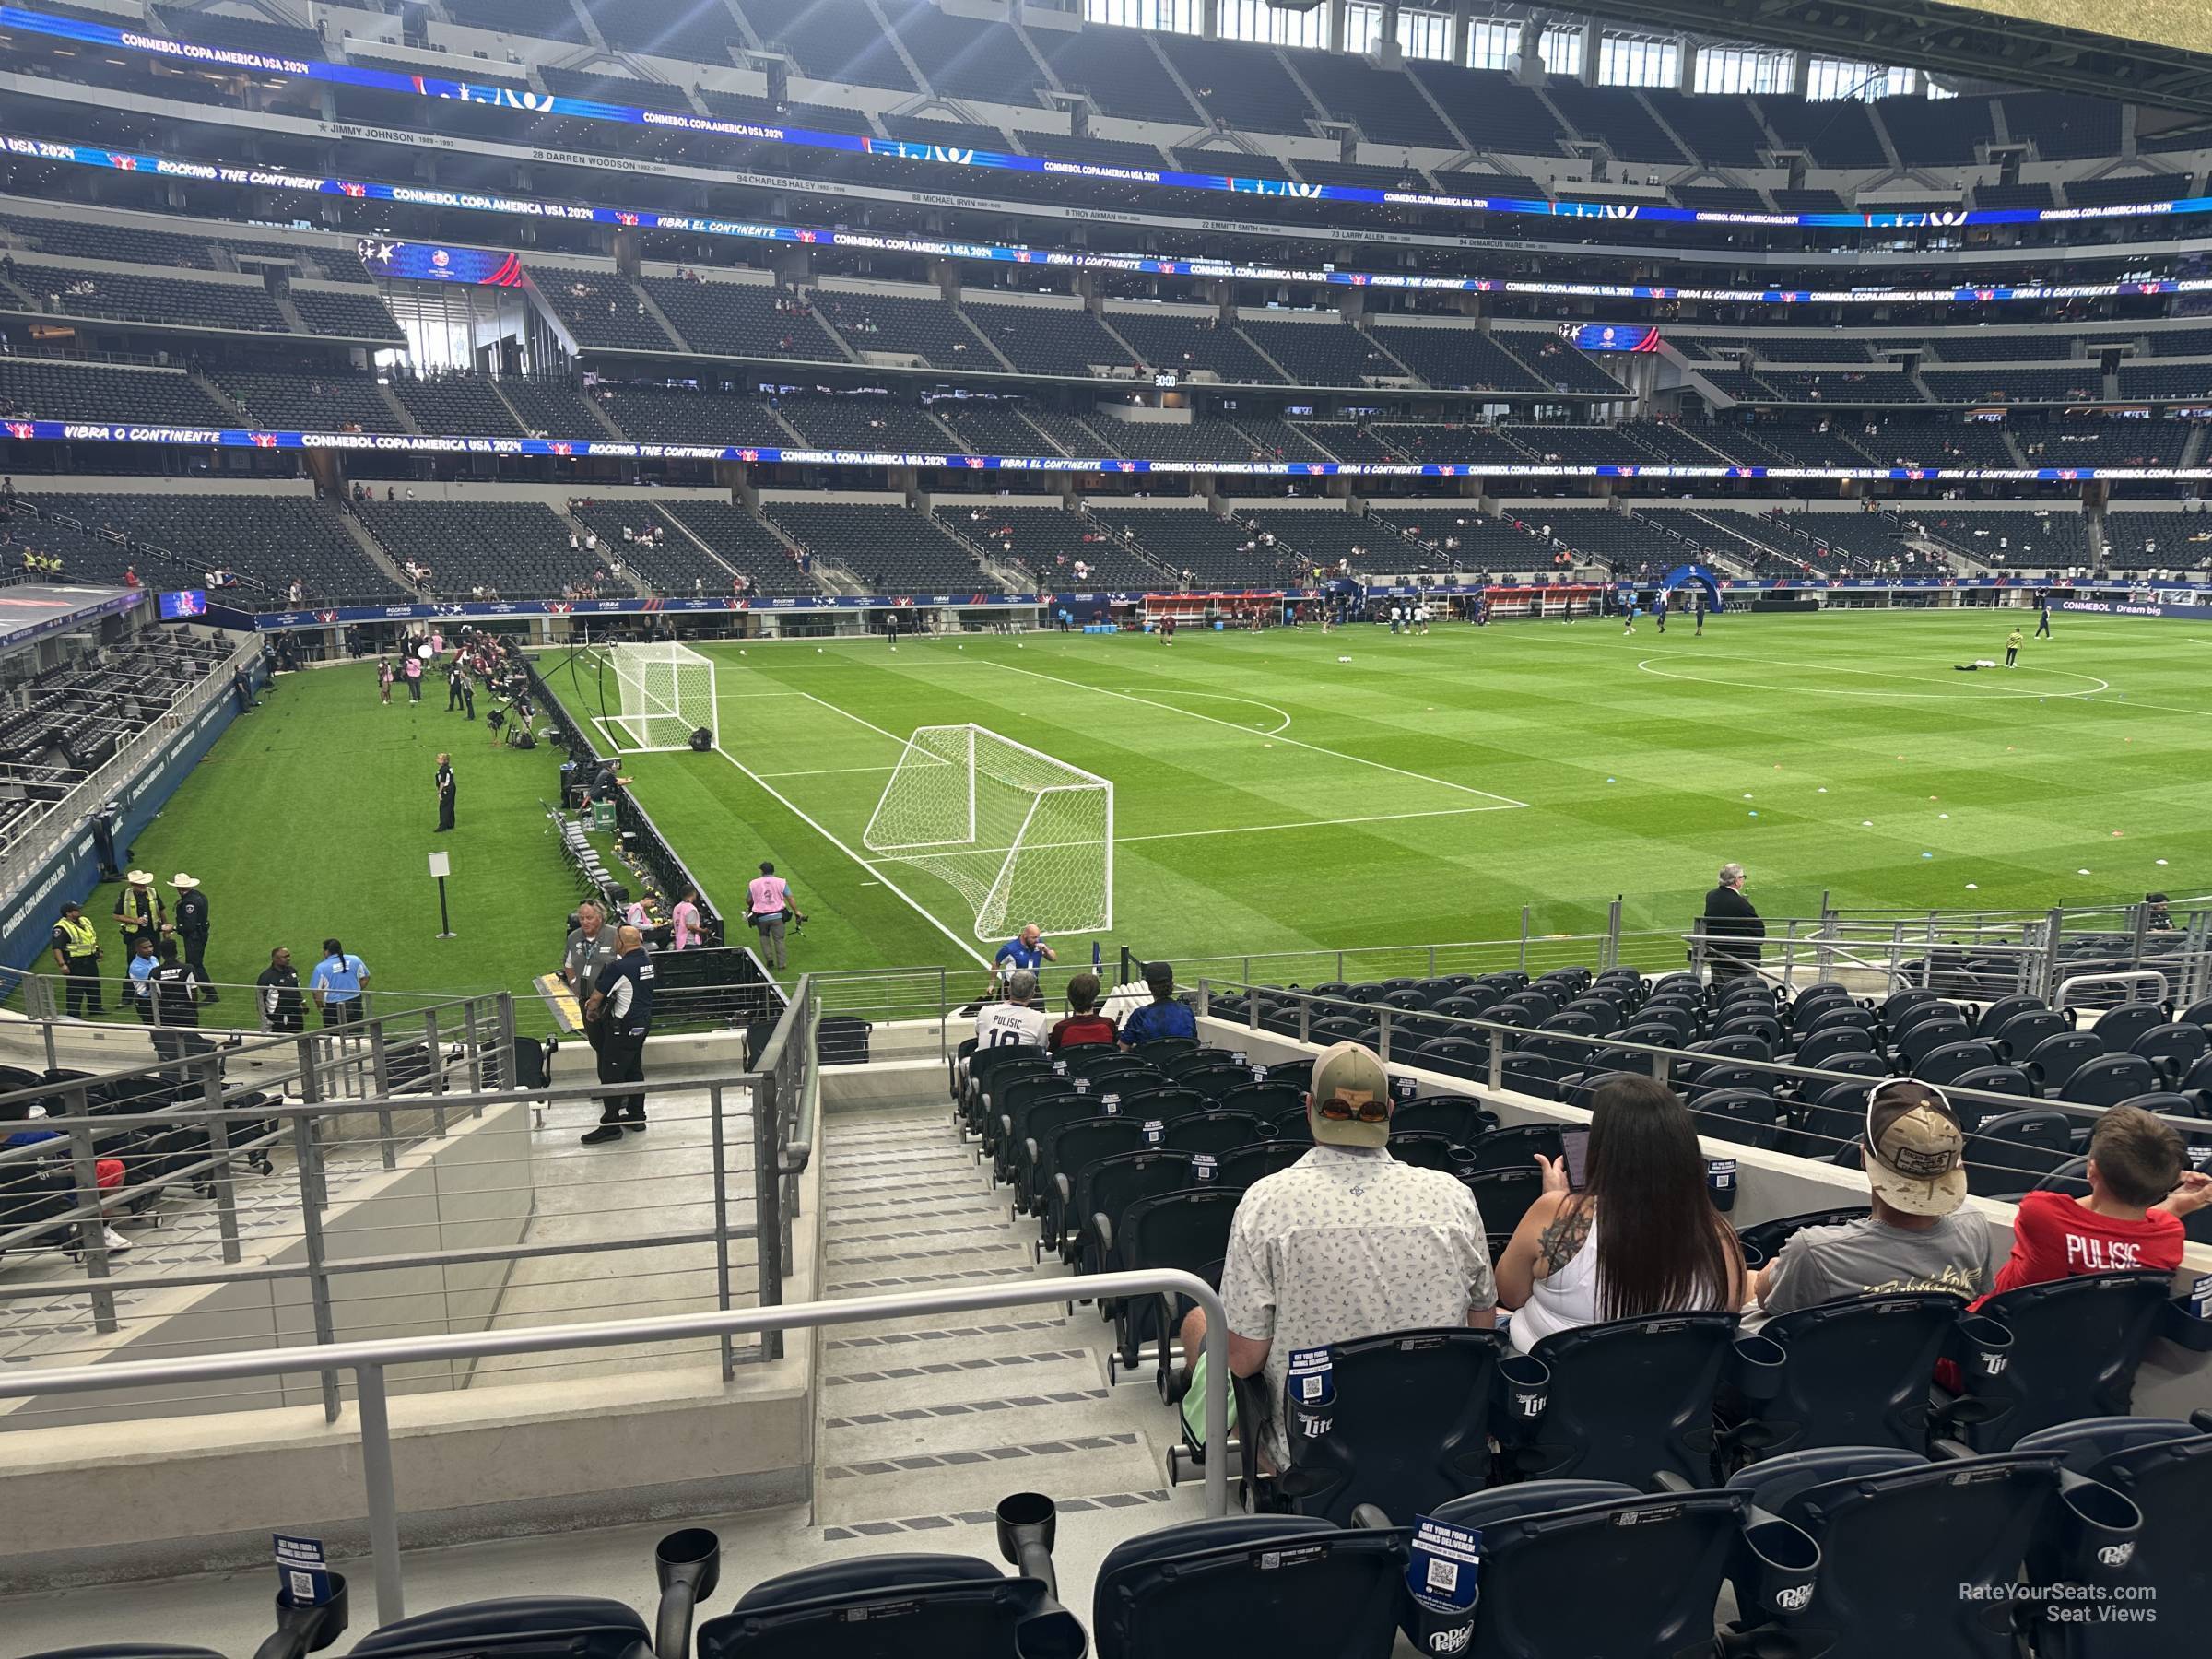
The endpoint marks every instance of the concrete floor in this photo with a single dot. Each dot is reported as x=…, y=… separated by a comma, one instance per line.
x=923, y=1427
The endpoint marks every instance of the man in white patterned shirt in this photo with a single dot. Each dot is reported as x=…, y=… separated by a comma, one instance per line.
x=1347, y=1243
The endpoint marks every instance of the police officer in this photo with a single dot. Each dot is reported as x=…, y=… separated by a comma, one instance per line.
x=282, y=1008
x=194, y=918
x=621, y=1007
x=175, y=989
x=77, y=953
x=445, y=791
x=139, y=909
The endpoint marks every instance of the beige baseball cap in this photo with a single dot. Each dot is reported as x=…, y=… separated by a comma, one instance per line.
x=1916, y=1149
x=1350, y=1080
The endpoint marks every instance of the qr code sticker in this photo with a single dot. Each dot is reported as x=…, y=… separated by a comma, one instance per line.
x=1308, y=1388
x=1443, y=1575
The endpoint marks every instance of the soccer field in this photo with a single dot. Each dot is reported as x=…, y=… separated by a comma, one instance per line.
x=1271, y=796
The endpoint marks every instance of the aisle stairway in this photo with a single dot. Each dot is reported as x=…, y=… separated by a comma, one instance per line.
x=927, y=1424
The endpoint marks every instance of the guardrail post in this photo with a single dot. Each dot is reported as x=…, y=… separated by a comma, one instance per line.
x=2054, y=947
x=1611, y=957
x=1305, y=1020
x=383, y=1501
x=768, y=1206
x=721, y=1223
x=219, y=1148
x=1498, y=1059
x=1432, y=962
x=503, y=1033
x=1383, y=1034
x=1525, y=922
x=92, y=1226
x=318, y=1280
x=437, y=1056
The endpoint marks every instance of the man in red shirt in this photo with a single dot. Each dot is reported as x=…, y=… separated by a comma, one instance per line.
x=2141, y=1187
x=1084, y=1023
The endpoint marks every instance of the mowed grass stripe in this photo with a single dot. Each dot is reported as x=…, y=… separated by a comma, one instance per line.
x=2034, y=784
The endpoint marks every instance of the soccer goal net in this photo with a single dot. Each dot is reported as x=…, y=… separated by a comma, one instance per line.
x=663, y=694
x=1022, y=837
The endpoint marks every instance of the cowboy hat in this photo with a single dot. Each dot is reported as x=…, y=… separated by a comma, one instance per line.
x=140, y=877
x=182, y=882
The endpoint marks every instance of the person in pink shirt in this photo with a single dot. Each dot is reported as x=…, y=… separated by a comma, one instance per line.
x=769, y=907
x=685, y=919
x=414, y=667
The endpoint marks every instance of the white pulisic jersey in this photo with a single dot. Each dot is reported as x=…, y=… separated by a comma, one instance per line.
x=1003, y=1024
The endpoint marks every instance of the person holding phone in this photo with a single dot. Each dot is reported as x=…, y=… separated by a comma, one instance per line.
x=1639, y=1236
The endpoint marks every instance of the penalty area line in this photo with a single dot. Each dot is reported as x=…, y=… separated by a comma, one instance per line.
x=1505, y=802
x=796, y=811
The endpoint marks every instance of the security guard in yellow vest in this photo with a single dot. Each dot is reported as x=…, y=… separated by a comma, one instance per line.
x=77, y=953
x=139, y=912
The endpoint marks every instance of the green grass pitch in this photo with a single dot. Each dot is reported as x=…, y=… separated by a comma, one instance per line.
x=1271, y=796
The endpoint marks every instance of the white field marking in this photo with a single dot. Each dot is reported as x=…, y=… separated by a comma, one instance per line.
x=1699, y=679
x=1251, y=702
x=1293, y=742
x=920, y=856
x=828, y=771
x=793, y=807
x=2162, y=708
x=872, y=726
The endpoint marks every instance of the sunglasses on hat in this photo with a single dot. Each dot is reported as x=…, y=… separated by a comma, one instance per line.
x=1376, y=1110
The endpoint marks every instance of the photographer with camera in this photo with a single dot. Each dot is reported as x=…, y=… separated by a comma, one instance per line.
x=769, y=905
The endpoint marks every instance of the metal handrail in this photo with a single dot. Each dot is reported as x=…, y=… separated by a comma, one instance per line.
x=369, y=1361
x=1500, y=1038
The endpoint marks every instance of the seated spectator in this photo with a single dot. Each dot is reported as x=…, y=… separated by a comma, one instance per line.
x=1662, y=1247
x=1915, y=1156
x=1347, y=1243
x=1084, y=1023
x=1017, y=1021
x=1163, y=1015
x=2141, y=1187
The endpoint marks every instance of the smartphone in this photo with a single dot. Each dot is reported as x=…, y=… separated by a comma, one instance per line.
x=1575, y=1142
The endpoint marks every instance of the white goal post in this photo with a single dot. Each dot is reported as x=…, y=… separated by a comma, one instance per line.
x=1022, y=836
x=664, y=693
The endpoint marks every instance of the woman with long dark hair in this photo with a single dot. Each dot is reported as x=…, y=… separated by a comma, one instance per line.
x=1642, y=1237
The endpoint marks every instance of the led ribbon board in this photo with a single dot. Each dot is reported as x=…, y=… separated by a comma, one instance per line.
x=200, y=54
x=470, y=201
x=76, y=431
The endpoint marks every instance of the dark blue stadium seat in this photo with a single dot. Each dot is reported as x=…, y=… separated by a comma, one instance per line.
x=1220, y=1586
x=1629, y=1400
x=910, y=1605
x=2070, y=1349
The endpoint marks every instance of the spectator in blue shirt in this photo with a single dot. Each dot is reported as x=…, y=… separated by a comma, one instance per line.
x=336, y=982
x=144, y=958
x=1025, y=949
x=1163, y=1015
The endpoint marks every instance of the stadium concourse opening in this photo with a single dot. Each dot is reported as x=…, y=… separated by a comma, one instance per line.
x=1178, y=629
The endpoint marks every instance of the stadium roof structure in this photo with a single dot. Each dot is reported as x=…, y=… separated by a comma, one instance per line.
x=2019, y=43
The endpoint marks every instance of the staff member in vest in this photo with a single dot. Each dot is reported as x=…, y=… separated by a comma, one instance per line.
x=767, y=897
x=194, y=919
x=445, y=791
x=76, y=954
x=282, y=1008
x=139, y=909
x=621, y=1007
x=339, y=982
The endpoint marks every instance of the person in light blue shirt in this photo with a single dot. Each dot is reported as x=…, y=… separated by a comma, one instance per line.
x=1163, y=1015
x=338, y=982
x=144, y=961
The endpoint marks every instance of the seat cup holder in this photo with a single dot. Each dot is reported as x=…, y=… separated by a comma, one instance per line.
x=2101, y=1526
x=1784, y=1564
x=1523, y=1386
x=1758, y=1364
x=1984, y=1347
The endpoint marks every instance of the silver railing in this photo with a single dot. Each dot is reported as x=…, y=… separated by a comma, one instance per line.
x=370, y=1362
x=33, y=845
x=719, y=1168
x=1400, y=1034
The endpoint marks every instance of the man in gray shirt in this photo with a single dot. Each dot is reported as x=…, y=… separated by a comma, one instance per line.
x=590, y=949
x=1916, y=1239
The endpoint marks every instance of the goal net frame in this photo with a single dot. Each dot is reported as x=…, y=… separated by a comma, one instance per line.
x=664, y=691
x=1023, y=836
